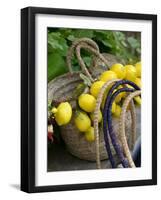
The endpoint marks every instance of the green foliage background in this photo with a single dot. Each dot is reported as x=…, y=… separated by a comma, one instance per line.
x=125, y=45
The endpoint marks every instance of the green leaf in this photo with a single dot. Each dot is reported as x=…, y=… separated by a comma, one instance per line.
x=57, y=43
x=107, y=43
x=133, y=42
x=71, y=38
x=87, y=60
x=56, y=65
x=120, y=35
x=79, y=90
x=85, y=79
x=49, y=105
x=80, y=33
x=125, y=45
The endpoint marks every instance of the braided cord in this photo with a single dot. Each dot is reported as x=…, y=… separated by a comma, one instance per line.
x=112, y=134
x=122, y=127
x=105, y=128
x=80, y=60
x=96, y=128
x=71, y=49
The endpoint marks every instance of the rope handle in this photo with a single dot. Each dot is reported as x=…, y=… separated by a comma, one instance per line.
x=122, y=126
x=133, y=118
x=81, y=62
x=90, y=46
x=96, y=124
x=71, y=50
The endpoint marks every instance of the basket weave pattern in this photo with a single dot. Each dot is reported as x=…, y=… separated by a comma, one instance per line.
x=62, y=88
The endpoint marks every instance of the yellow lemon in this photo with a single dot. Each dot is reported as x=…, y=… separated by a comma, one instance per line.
x=138, y=100
x=87, y=102
x=108, y=75
x=117, y=111
x=99, y=116
x=130, y=72
x=113, y=110
x=89, y=134
x=118, y=97
x=138, y=69
x=138, y=82
x=121, y=95
x=82, y=121
x=95, y=88
x=63, y=113
x=119, y=69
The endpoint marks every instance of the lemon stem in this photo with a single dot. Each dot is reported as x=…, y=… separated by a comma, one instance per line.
x=54, y=110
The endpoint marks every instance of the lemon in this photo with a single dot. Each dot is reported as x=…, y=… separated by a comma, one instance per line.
x=63, y=113
x=87, y=102
x=54, y=110
x=108, y=75
x=99, y=116
x=118, y=97
x=130, y=72
x=121, y=95
x=89, y=134
x=138, y=82
x=119, y=69
x=138, y=69
x=82, y=121
x=113, y=110
x=138, y=100
x=95, y=88
x=117, y=111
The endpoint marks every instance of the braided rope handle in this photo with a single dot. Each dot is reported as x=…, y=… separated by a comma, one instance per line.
x=90, y=46
x=133, y=118
x=81, y=62
x=96, y=112
x=122, y=127
x=71, y=50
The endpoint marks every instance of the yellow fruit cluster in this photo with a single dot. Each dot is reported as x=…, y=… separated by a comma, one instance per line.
x=84, y=115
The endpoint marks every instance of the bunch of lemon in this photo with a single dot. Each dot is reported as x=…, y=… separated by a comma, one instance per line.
x=87, y=101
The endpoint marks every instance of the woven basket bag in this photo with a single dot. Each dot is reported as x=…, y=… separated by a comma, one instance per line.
x=61, y=89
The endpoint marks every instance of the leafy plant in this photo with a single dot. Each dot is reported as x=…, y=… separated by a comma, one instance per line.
x=125, y=45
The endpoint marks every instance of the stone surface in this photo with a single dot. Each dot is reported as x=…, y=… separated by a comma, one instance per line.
x=61, y=160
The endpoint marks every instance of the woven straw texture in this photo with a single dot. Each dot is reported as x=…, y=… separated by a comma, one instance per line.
x=61, y=89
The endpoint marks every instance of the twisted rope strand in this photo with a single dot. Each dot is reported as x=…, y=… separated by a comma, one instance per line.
x=118, y=83
x=96, y=128
x=133, y=119
x=112, y=134
x=122, y=127
x=96, y=111
x=70, y=52
x=91, y=50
